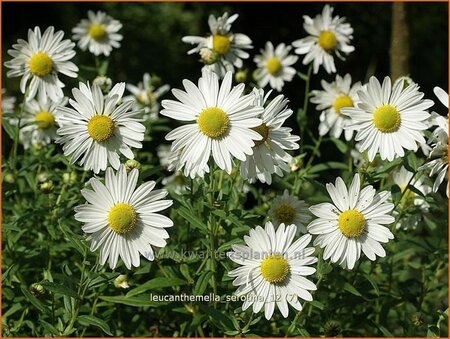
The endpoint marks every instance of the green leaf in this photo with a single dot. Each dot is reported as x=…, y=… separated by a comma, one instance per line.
x=33, y=300
x=50, y=328
x=317, y=304
x=87, y=320
x=192, y=219
x=410, y=162
x=385, y=331
x=202, y=283
x=103, y=68
x=133, y=301
x=327, y=166
x=373, y=283
x=10, y=130
x=341, y=146
x=219, y=318
x=159, y=282
x=73, y=239
x=351, y=289
x=59, y=289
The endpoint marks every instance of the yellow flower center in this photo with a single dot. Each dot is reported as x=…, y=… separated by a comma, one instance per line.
x=263, y=130
x=352, y=223
x=284, y=213
x=122, y=218
x=327, y=40
x=221, y=44
x=213, y=122
x=41, y=64
x=273, y=65
x=44, y=119
x=386, y=118
x=342, y=101
x=100, y=127
x=275, y=269
x=97, y=32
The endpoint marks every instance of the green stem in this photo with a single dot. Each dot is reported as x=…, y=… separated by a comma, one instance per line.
x=212, y=233
x=302, y=117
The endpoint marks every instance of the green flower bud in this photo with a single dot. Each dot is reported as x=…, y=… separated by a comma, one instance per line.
x=37, y=289
x=121, y=281
x=70, y=178
x=241, y=76
x=132, y=164
x=47, y=187
x=104, y=83
x=332, y=329
x=417, y=319
x=208, y=56
x=9, y=178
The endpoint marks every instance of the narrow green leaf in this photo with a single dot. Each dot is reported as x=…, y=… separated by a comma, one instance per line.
x=33, y=300
x=410, y=162
x=341, y=146
x=134, y=301
x=87, y=320
x=351, y=289
x=10, y=130
x=373, y=283
x=219, y=318
x=59, y=289
x=192, y=219
x=159, y=282
x=202, y=283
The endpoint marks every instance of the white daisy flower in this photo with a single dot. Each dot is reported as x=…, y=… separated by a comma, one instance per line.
x=273, y=269
x=39, y=122
x=287, y=209
x=388, y=119
x=269, y=154
x=99, y=128
x=146, y=97
x=39, y=60
x=335, y=96
x=122, y=219
x=328, y=35
x=8, y=102
x=353, y=223
x=274, y=66
x=222, y=50
x=439, y=144
x=223, y=117
x=401, y=178
x=98, y=33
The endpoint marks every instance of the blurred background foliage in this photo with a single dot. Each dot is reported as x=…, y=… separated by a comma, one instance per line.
x=153, y=31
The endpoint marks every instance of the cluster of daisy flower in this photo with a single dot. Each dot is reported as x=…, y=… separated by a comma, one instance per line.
x=234, y=128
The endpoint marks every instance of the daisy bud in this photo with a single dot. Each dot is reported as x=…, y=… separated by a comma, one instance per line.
x=417, y=319
x=47, y=187
x=132, y=164
x=155, y=81
x=104, y=83
x=70, y=178
x=295, y=164
x=42, y=176
x=121, y=281
x=9, y=178
x=332, y=329
x=208, y=56
x=241, y=76
x=37, y=289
